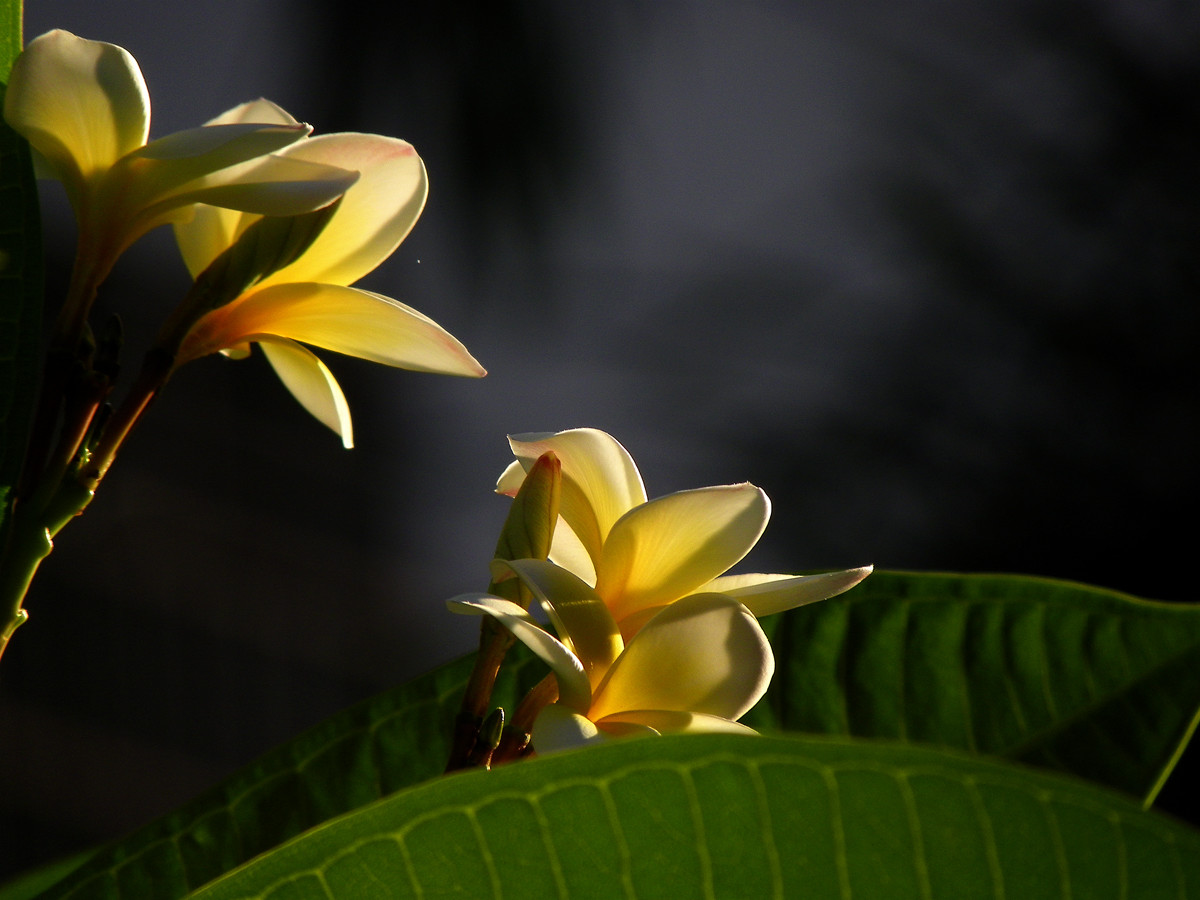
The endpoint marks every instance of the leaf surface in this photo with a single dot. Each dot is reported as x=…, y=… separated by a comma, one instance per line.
x=1060, y=675
x=738, y=816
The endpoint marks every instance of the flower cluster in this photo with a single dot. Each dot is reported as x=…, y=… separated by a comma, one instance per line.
x=653, y=635
x=84, y=108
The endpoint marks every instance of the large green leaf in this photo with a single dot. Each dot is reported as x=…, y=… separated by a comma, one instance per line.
x=20, y=274
x=890, y=659
x=738, y=816
x=372, y=749
x=1060, y=675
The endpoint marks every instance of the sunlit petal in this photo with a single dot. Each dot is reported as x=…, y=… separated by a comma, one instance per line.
x=213, y=229
x=668, y=547
x=345, y=320
x=81, y=104
x=260, y=111
x=580, y=616
x=573, y=688
x=705, y=654
x=667, y=721
x=376, y=213
x=600, y=481
x=766, y=595
x=311, y=382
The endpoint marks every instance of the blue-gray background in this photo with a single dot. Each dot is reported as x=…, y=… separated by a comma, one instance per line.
x=924, y=271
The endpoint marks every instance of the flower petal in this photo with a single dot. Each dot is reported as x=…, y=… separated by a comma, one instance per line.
x=558, y=728
x=705, y=654
x=580, y=616
x=600, y=480
x=666, y=721
x=573, y=689
x=375, y=215
x=765, y=595
x=81, y=104
x=667, y=548
x=311, y=382
x=345, y=320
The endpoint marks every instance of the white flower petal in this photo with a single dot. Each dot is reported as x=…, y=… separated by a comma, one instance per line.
x=311, y=382
x=600, y=481
x=345, y=320
x=558, y=728
x=81, y=104
x=375, y=215
x=666, y=548
x=573, y=688
x=765, y=595
x=580, y=616
x=705, y=654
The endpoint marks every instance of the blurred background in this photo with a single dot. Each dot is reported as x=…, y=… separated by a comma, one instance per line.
x=924, y=271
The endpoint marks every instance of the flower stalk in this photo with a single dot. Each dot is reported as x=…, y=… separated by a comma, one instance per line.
x=528, y=531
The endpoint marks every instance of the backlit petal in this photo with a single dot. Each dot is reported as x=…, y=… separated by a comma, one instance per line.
x=600, y=481
x=345, y=320
x=573, y=689
x=81, y=104
x=766, y=595
x=580, y=616
x=376, y=213
x=705, y=654
x=668, y=547
x=311, y=382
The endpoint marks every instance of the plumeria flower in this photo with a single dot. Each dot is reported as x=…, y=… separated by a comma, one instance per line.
x=697, y=666
x=84, y=108
x=309, y=301
x=642, y=555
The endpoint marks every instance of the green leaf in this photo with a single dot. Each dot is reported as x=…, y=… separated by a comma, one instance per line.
x=909, y=656
x=372, y=749
x=1060, y=675
x=738, y=816
x=30, y=884
x=20, y=276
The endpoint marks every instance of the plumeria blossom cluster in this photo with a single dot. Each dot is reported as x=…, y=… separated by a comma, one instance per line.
x=275, y=226
x=653, y=635
x=85, y=110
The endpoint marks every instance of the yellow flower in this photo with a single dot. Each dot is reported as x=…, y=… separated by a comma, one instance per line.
x=84, y=108
x=696, y=666
x=642, y=555
x=310, y=301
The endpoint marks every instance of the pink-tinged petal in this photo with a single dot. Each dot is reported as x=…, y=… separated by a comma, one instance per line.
x=311, y=382
x=376, y=213
x=345, y=320
x=668, y=547
x=668, y=721
x=765, y=595
x=704, y=654
x=579, y=615
x=81, y=104
x=600, y=481
x=573, y=688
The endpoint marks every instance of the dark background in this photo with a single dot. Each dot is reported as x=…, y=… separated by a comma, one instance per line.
x=924, y=271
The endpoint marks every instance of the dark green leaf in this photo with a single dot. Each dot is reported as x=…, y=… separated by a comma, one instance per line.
x=1060, y=675
x=738, y=816
x=382, y=745
x=915, y=657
